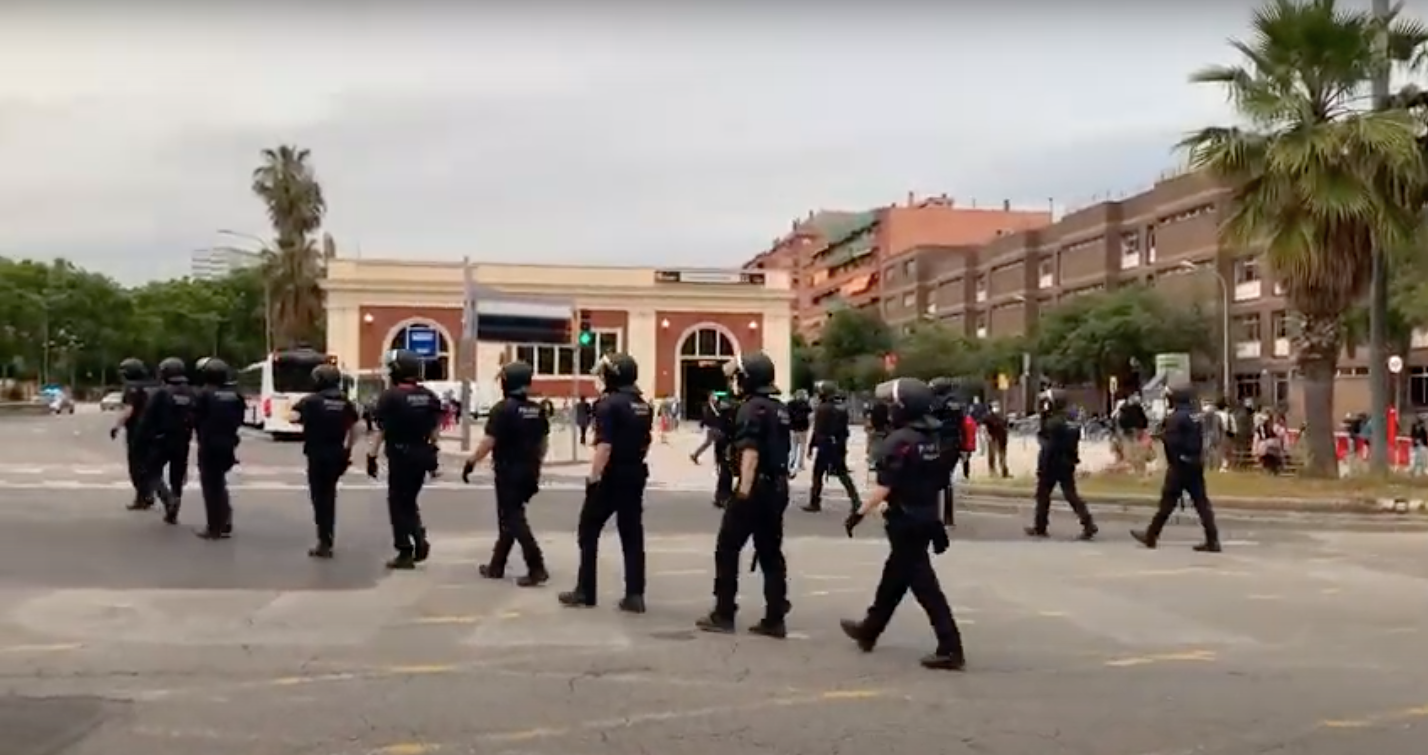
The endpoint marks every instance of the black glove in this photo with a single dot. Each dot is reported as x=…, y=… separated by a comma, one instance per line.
x=113, y=432
x=466, y=470
x=371, y=466
x=851, y=523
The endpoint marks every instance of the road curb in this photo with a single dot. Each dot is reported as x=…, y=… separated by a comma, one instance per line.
x=1263, y=506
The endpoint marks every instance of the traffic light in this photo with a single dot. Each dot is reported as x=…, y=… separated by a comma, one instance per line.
x=587, y=336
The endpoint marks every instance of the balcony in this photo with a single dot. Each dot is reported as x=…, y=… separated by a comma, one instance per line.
x=981, y=295
x=1247, y=350
x=1130, y=261
x=1150, y=254
x=1047, y=280
x=1248, y=291
x=1281, y=347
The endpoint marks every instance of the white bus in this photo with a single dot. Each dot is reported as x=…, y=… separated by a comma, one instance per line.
x=273, y=387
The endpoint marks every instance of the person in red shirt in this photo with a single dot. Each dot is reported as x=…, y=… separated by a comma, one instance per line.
x=969, y=444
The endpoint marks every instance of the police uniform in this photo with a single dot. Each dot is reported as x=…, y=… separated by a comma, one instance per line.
x=624, y=423
x=1184, y=441
x=830, y=446
x=761, y=426
x=800, y=420
x=517, y=432
x=724, y=413
x=328, y=419
x=166, y=431
x=911, y=469
x=1056, y=467
x=408, y=415
x=217, y=417
x=137, y=388
x=947, y=409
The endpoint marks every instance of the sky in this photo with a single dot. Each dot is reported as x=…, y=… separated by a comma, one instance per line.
x=621, y=132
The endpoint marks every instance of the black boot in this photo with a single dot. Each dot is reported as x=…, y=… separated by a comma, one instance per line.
x=945, y=661
x=322, y=551
x=1088, y=532
x=491, y=572
x=576, y=599
x=535, y=578
x=813, y=506
x=208, y=534
x=632, y=604
x=1144, y=538
x=716, y=622
x=1209, y=546
x=857, y=633
x=770, y=627
x=404, y=561
x=171, y=509
x=1034, y=532
x=422, y=551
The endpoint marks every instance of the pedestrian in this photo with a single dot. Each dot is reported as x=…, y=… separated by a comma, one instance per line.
x=1418, y=437
x=616, y=484
x=516, y=437
x=829, y=445
x=761, y=441
x=582, y=418
x=800, y=414
x=137, y=389
x=166, y=429
x=1184, y=473
x=1056, y=466
x=709, y=420
x=910, y=476
x=408, y=417
x=217, y=418
x=329, y=431
x=994, y=423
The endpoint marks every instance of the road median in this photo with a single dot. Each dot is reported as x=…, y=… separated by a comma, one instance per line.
x=23, y=409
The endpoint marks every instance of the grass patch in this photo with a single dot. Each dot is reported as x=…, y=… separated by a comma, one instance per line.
x=1239, y=485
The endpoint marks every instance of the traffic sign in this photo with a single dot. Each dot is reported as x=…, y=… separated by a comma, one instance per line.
x=1003, y=382
x=423, y=341
x=1395, y=364
x=1114, y=385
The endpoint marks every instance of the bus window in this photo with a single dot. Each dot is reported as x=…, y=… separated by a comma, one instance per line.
x=294, y=374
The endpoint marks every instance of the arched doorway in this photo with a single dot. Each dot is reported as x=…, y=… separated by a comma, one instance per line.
x=702, y=354
x=429, y=342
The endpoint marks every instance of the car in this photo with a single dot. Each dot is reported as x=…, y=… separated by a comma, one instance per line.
x=112, y=402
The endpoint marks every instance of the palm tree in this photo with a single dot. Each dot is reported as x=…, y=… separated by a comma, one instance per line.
x=294, y=266
x=1317, y=178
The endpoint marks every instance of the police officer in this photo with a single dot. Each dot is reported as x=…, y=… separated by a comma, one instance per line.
x=516, y=436
x=408, y=417
x=877, y=428
x=217, y=416
x=829, y=445
x=911, y=476
x=329, y=430
x=166, y=430
x=1184, y=472
x=616, y=485
x=1060, y=439
x=137, y=388
x=800, y=416
x=950, y=414
x=724, y=411
x=761, y=441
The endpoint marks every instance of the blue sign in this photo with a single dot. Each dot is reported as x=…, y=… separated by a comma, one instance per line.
x=423, y=341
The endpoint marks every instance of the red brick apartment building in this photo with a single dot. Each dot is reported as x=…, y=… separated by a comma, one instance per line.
x=850, y=259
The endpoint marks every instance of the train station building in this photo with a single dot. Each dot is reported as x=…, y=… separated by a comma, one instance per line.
x=681, y=325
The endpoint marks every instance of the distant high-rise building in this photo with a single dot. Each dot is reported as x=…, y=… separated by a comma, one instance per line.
x=212, y=264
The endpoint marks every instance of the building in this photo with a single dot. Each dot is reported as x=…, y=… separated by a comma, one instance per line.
x=680, y=325
x=1167, y=238
x=793, y=251
x=212, y=264
x=841, y=265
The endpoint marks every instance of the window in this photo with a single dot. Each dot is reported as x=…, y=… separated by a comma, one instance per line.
x=1247, y=328
x=1280, y=382
x=909, y=300
x=1247, y=386
x=1247, y=270
x=888, y=306
x=1150, y=243
x=1418, y=386
x=981, y=284
x=1130, y=243
x=559, y=361
x=909, y=268
x=1279, y=324
x=981, y=326
x=1046, y=267
x=890, y=275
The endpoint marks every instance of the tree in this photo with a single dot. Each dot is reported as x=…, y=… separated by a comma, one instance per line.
x=288, y=186
x=851, y=348
x=805, y=360
x=1099, y=336
x=1315, y=177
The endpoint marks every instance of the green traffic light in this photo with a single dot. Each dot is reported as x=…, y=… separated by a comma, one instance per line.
x=586, y=337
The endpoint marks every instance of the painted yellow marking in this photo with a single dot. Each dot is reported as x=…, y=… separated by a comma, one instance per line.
x=509, y=615
x=419, y=669
x=41, y=648
x=1346, y=724
x=1265, y=597
x=851, y=694
x=443, y=620
x=293, y=681
x=1193, y=656
x=1330, y=591
x=1377, y=719
x=408, y=748
x=526, y=736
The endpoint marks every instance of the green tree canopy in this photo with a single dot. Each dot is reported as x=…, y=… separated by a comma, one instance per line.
x=851, y=349
x=1097, y=336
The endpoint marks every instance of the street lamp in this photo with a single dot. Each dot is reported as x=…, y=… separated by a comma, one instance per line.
x=1225, y=355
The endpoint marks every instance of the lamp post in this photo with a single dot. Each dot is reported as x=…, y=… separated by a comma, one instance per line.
x=1225, y=354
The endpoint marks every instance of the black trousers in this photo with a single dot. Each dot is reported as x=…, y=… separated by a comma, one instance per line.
x=724, y=482
x=173, y=458
x=1064, y=478
x=584, y=428
x=322, y=476
x=213, y=469
x=949, y=495
x=760, y=518
x=831, y=460
x=623, y=497
x=134, y=457
x=909, y=567
x=513, y=527
x=404, y=482
x=1182, y=480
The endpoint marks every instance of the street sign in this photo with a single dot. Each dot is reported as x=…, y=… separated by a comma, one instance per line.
x=1395, y=364
x=1113, y=384
x=423, y=341
x=1003, y=382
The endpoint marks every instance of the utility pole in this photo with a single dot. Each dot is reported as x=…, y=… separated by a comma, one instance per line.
x=1378, y=292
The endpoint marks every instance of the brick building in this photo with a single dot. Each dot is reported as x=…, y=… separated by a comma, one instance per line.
x=838, y=259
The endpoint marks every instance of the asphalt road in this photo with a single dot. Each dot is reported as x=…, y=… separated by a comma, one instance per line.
x=119, y=635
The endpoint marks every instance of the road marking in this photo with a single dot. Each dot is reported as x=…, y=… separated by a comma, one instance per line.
x=1052, y=614
x=293, y=681
x=1264, y=597
x=419, y=669
x=17, y=649
x=681, y=573
x=1377, y=719
x=1192, y=656
x=407, y=748
x=836, y=591
x=446, y=620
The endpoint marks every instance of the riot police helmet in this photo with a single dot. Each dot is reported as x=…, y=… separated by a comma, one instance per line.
x=909, y=400
x=172, y=369
x=133, y=370
x=516, y=379
x=617, y=371
x=1053, y=400
x=403, y=366
x=326, y=377
x=826, y=389
x=213, y=371
x=800, y=395
x=1180, y=394
x=942, y=386
x=751, y=373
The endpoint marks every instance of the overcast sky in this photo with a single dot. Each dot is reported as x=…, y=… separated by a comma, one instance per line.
x=622, y=135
